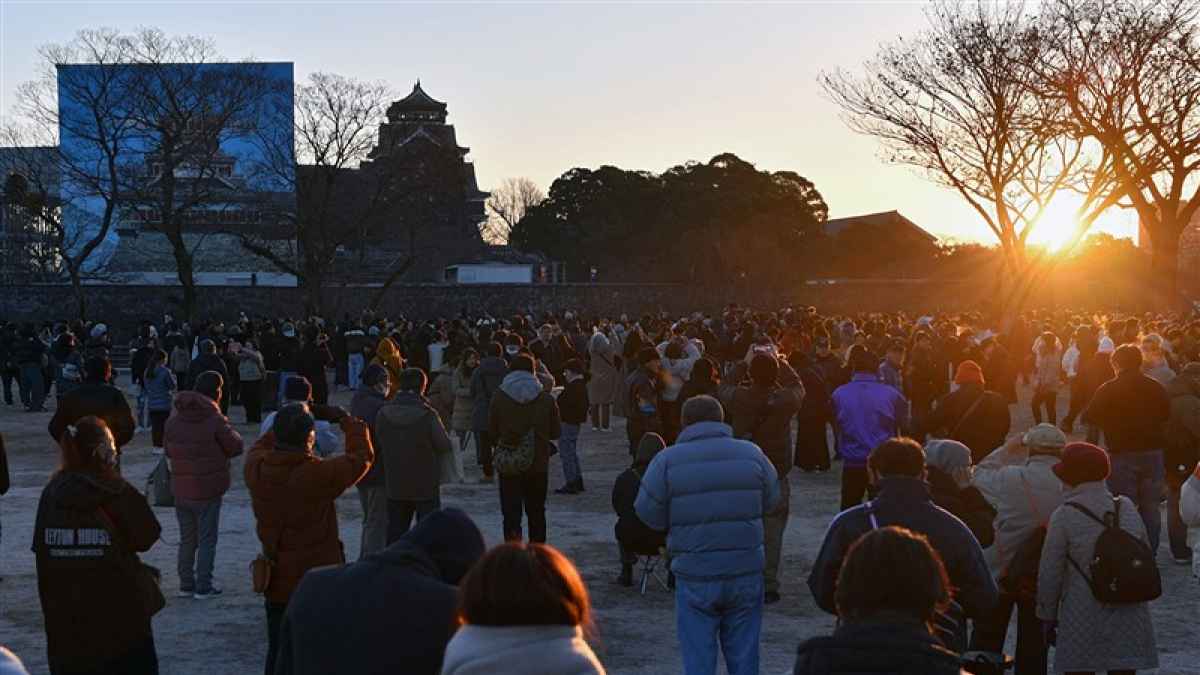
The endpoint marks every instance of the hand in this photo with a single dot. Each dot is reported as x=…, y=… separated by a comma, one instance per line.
x=1050, y=632
x=1014, y=444
x=329, y=413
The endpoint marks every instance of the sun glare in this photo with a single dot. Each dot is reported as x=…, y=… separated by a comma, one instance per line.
x=1057, y=225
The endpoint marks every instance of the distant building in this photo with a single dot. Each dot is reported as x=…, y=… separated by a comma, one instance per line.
x=29, y=200
x=888, y=223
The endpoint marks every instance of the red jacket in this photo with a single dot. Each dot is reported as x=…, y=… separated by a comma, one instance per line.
x=199, y=440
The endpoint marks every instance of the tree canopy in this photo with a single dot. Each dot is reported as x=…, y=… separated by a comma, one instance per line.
x=705, y=223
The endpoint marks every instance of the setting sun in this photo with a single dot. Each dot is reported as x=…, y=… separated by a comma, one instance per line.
x=1057, y=225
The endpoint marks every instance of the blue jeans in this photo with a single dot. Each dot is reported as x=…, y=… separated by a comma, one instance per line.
x=198, y=525
x=1140, y=476
x=354, y=370
x=33, y=386
x=724, y=610
x=568, y=443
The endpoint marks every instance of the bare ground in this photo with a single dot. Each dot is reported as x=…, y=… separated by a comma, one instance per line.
x=636, y=634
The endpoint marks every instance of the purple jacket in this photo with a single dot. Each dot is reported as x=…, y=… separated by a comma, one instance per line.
x=867, y=413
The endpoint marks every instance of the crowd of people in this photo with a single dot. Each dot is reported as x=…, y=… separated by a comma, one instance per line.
x=951, y=519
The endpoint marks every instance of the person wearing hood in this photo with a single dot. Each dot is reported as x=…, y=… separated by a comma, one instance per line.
x=1092, y=636
x=387, y=354
x=521, y=408
x=90, y=526
x=199, y=441
x=523, y=610
x=972, y=415
x=95, y=397
x=293, y=493
x=412, y=440
x=948, y=472
x=369, y=398
x=763, y=407
x=633, y=537
x=1018, y=479
x=890, y=590
x=485, y=382
x=409, y=589
x=1183, y=451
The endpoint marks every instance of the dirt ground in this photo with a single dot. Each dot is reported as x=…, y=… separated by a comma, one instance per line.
x=636, y=634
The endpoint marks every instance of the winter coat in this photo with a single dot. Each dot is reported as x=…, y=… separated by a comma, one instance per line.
x=709, y=492
x=1024, y=491
x=85, y=572
x=200, y=441
x=630, y=531
x=1189, y=510
x=409, y=589
x=867, y=413
x=1000, y=373
x=896, y=647
x=464, y=405
x=441, y=392
x=411, y=441
x=1091, y=636
x=1132, y=410
x=573, y=403
x=605, y=370
x=485, y=382
x=293, y=495
x=677, y=371
x=985, y=429
x=205, y=363
x=906, y=502
x=365, y=406
x=1093, y=372
x=388, y=356
x=250, y=366
x=314, y=360
x=967, y=504
x=288, y=350
x=519, y=405
x=68, y=372
x=160, y=388
x=1047, y=367
x=1183, y=429
x=763, y=414
x=94, y=398
x=520, y=650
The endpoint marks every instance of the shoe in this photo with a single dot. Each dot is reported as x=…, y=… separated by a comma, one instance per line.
x=771, y=597
x=209, y=594
x=185, y=593
x=578, y=487
x=1182, y=561
x=568, y=489
x=485, y=479
x=156, y=451
x=140, y=430
x=671, y=580
x=595, y=430
x=626, y=577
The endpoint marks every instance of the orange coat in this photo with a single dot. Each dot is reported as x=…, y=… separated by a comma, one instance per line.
x=293, y=496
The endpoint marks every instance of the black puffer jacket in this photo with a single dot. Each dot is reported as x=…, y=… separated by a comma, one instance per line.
x=967, y=504
x=876, y=647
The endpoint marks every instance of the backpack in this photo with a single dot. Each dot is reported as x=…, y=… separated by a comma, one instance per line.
x=158, y=485
x=1123, y=568
x=1020, y=576
x=513, y=461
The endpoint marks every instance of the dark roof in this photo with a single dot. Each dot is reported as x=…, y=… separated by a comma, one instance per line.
x=418, y=100
x=835, y=226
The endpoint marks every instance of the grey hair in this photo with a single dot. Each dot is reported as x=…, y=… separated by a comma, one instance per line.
x=702, y=409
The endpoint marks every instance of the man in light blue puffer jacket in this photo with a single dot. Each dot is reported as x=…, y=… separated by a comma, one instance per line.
x=709, y=492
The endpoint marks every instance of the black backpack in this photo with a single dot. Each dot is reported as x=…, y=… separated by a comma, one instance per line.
x=1123, y=568
x=1020, y=577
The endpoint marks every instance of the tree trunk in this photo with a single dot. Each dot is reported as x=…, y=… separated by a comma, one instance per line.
x=77, y=289
x=1164, y=263
x=183, y=262
x=312, y=284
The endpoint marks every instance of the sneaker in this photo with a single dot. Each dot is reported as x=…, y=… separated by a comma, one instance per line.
x=1182, y=561
x=565, y=490
x=186, y=593
x=208, y=595
x=771, y=597
x=140, y=430
x=156, y=451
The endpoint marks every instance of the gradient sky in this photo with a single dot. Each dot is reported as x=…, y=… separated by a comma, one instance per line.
x=535, y=89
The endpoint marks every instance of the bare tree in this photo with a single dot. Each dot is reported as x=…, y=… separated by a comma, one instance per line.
x=1126, y=73
x=335, y=123
x=957, y=103
x=188, y=108
x=76, y=193
x=507, y=205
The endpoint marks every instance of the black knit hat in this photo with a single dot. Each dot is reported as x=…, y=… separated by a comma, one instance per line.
x=293, y=423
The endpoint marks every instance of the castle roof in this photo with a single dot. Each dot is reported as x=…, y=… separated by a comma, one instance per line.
x=418, y=101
